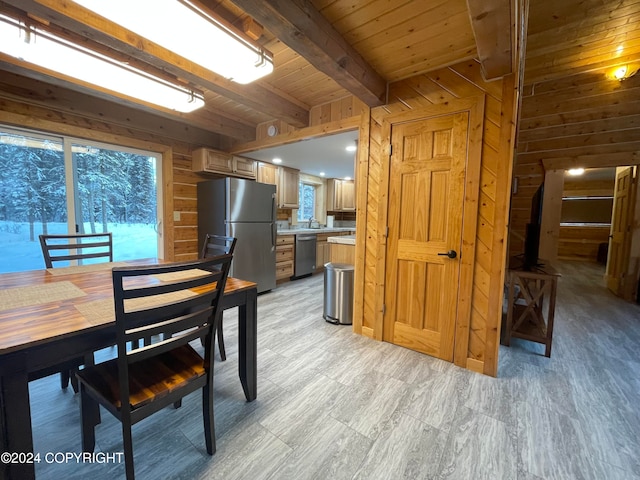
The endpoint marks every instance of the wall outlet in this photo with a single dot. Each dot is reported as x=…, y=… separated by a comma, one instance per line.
x=176, y=216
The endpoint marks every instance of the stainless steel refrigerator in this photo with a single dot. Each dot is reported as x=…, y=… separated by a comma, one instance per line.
x=246, y=210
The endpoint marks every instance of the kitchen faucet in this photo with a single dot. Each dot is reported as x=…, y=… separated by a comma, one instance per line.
x=311, y=220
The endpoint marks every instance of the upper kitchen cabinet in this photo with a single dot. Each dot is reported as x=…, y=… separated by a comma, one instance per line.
x=205, y=160
x=288, y=186
x=341, y=195
x=286, y=180
x=267, y=173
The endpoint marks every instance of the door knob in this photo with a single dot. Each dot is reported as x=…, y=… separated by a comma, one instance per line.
x=450, y=254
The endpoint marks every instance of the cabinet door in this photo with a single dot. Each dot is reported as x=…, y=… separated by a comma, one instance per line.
x=334, y=197
x=348, y=196
x=267, y=173
x=244, y=167
x=288, y=189
x=211, y=161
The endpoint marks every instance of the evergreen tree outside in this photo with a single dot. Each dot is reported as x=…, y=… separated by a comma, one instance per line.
x=115, y=191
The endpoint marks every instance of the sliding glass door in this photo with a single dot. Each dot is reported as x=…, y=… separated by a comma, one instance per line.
x=58, y=185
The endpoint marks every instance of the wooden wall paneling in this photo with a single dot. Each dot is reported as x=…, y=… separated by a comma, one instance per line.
x=382, y=200
x=582, y=243
x=185, y=195
x=469, y=228
x=504, y=177
x=585, y=120
x=363, y=179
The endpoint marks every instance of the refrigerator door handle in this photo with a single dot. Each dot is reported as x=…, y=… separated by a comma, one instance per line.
x=273, y=236
x=273, y=222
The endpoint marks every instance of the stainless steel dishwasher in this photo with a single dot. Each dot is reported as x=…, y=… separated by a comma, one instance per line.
x=305, y=254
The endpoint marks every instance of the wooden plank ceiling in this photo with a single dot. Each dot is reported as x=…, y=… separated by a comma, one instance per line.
x=571, y=37
x=323, y=50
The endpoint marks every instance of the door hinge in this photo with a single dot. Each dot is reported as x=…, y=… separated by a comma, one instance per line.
x=390, y=149
x=386, y=232
x=384, y=309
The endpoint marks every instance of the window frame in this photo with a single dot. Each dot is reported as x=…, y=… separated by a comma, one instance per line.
x=70, y=167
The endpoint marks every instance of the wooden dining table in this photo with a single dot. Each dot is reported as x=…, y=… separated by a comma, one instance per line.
x=48, y=317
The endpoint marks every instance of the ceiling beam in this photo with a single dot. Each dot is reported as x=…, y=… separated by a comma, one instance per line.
x=302, y=28
x=330, y=128
x=81, y=21
x=493, y=23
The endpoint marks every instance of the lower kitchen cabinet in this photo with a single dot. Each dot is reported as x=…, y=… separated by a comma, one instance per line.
x=323, y=250
x=285, y=254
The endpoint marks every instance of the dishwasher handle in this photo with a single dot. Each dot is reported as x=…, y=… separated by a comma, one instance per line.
x=305, y=238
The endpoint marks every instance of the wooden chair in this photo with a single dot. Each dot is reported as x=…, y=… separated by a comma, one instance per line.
x=59, y=248
x=143, y=380
x=218, y=245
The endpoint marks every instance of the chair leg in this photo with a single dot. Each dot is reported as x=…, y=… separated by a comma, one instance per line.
x=90, y=413
x=74, y=380
x=207, y=414
x=177, y=403
x=64, y=379
x=128, y=449
x=223, y=353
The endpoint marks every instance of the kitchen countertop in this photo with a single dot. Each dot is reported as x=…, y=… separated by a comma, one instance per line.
x=344, y=240
x=293, y=231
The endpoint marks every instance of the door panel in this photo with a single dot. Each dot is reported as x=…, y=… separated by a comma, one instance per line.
x=426, y=200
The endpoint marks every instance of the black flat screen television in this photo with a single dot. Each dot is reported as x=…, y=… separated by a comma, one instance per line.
x=532, y=235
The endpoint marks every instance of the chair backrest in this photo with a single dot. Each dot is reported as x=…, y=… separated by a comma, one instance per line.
x=170, y=304
x=217, y=245
x=59, y=248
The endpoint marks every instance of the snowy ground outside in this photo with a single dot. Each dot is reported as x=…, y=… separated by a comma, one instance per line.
x=18, y=253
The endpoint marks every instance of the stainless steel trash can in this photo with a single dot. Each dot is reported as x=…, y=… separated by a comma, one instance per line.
x=338, y=293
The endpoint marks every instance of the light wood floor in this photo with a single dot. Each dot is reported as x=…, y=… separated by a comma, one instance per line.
x=334, y=405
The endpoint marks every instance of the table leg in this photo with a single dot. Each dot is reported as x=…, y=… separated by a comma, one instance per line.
x=16, y=434
x=248, y=345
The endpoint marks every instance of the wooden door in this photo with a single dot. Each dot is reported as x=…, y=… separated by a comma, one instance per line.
x=426, y=200
x=620, y=235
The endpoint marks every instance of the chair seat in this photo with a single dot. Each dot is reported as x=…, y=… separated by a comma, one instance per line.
x=149, y=379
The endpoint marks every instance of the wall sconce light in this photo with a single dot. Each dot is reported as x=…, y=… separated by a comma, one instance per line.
x=623, y=72
x=36, y=46
x=574, y=172
x=187, y=30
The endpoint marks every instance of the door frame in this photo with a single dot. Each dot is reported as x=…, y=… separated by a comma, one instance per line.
x=475, y=107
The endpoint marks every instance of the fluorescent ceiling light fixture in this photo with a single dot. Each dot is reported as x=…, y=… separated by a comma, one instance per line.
x=185, y=29
x=322, y=174
x=575, y=171
x=277, y=160
x=41, y=48
x=347, y=178
x=351, y=148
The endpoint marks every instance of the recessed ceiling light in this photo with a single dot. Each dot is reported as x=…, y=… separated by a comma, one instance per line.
x=351, y=148
x=277, y=160
x=575, y=171
x=347, y=178
x=322, y=174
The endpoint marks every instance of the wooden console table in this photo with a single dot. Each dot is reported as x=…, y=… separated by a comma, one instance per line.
x=531, y=304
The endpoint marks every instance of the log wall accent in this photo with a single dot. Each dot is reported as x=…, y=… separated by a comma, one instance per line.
x=581, y=242
x=480, y=334
x=586, y=120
